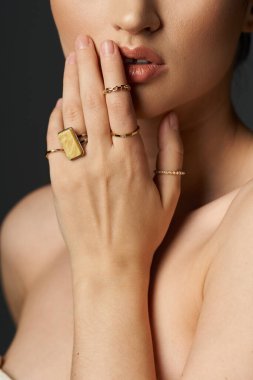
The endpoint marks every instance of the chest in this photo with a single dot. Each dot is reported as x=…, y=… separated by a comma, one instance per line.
x=43, y=344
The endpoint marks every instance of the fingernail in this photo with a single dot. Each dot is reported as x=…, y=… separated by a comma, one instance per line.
x=107, y=47
x=59, y=103
x=173, y=121
x=71, y=59
x=82, y=42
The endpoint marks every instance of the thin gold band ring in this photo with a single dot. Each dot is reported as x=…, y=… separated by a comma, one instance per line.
x=53, y=151
x=126, y=134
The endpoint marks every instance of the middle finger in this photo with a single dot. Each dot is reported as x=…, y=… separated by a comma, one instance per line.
x=120, y=106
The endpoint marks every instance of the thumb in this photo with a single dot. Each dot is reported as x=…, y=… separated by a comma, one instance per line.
x=170, y=157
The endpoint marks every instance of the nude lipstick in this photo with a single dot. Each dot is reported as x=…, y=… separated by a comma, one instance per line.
x=142, y=64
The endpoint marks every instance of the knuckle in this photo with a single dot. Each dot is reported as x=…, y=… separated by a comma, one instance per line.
x=72, y=112
x=54, y=115
x=115, y=102
x=110, y=62
x=101, y=171
x=49, y=137
x=179, y=148
x=176, y=151
x=52, y=124
x=93, y=101
x=179, y=157
x=121, y=105
x=127, y=162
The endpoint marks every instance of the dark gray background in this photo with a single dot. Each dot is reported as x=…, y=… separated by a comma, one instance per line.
x=34, y=69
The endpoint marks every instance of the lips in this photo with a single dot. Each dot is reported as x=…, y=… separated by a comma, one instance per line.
x=142, y=52
x=139, y=71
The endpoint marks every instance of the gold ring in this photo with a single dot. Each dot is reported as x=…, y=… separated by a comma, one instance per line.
x=71, y=144
x=171, y=172
x=61, y=150
x=53, y=151
x=126, y=134
x=83, y=138
x=122, y=87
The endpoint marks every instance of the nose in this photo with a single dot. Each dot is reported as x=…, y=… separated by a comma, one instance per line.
x=135, y=16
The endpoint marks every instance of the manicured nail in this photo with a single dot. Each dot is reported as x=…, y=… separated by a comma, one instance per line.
x=107, y=47
x=71, y=59
x=82, y=42
x=173, y=121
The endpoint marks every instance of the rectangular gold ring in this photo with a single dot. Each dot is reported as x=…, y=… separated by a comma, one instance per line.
x=71, y=144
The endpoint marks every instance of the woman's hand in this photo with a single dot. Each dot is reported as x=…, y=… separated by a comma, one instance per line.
x=109, y=208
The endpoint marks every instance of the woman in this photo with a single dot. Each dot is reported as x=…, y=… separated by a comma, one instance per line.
x=140, y=276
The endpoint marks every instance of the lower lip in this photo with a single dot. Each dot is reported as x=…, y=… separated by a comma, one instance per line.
x=143, y=73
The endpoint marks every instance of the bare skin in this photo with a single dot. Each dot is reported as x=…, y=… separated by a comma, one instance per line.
x=216, y=200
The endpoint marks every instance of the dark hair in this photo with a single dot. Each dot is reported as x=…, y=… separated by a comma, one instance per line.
x=243, y=48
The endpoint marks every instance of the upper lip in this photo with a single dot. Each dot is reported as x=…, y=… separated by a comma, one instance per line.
x=141, y=52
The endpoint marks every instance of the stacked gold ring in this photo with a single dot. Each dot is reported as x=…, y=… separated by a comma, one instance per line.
x=72, y=143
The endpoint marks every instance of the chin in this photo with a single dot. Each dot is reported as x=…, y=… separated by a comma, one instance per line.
x=147, y=105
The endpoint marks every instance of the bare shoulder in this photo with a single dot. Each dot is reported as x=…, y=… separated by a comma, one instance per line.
x=226, y=317
x=30, y=242
x=233, y=241
x=237, y=224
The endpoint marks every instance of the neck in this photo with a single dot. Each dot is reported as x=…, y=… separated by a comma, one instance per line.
x=217, y=147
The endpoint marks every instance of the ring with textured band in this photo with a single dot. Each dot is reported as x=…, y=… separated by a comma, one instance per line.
x=122, y=87
x=170, y=172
